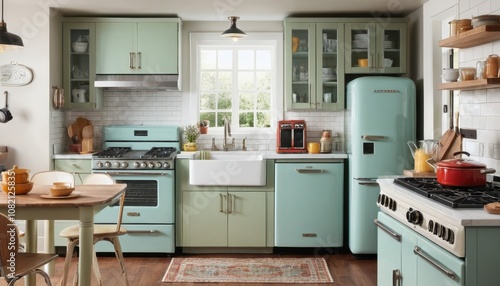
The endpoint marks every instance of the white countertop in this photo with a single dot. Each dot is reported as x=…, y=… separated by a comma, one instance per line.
x=272, y=155
x=73, y=156
x=466, y=217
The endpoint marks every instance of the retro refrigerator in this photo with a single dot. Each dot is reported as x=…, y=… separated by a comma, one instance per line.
x=380, y=120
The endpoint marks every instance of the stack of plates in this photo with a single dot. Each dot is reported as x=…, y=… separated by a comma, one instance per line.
x=388, y=44
x=360, y=44
x=329, y=77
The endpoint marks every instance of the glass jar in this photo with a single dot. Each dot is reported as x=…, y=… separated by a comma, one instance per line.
x=492, y=66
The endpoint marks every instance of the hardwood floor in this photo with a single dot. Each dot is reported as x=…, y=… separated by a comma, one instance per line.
x=345, y=269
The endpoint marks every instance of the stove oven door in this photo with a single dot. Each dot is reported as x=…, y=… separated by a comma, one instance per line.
x=148, y=214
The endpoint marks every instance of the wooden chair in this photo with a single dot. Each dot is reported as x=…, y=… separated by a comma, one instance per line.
x=101, y=232
x=24, y=263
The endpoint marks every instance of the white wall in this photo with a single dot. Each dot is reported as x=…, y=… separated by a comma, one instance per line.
x=27, y=135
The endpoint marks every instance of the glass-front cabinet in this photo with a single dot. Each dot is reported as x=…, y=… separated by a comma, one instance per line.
x=79, y=66
x=375, y=47
x=314, y=66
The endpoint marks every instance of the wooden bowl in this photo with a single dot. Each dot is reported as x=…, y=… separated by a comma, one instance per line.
x=19, y=189
x=21, y=176
x=60, y=192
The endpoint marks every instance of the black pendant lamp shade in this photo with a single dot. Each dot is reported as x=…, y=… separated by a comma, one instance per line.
x=8, y=40
x=233, y=32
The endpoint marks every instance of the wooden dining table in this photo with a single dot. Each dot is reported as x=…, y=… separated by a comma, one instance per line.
x=82, y=205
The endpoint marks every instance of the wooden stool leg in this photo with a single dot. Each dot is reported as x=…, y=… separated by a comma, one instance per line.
x=119, y=255
x=67, y=261
x=97, y=273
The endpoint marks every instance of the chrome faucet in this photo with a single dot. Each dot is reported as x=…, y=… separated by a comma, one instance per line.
x=227, y=133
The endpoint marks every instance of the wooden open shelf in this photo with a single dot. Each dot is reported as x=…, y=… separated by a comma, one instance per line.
x=478, y=36
x=471, y=84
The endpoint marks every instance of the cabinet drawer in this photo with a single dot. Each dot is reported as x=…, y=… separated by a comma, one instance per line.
x=73, y=165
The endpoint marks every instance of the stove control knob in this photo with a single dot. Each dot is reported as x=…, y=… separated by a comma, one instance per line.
x=117, y=165
x=124, y=165
x=166, y=165
x=414, y=216
x=151, y=165
x=107, y=164
x=158, y=165
x=99, y=164
x=136, y=165
x=144, y=165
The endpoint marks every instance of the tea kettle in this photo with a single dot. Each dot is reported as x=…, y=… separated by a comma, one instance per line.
x=427, y=149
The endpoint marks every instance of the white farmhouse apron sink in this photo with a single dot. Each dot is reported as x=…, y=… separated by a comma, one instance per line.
x=228, y=169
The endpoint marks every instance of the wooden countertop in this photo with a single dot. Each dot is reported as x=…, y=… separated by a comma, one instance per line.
x=90, y=195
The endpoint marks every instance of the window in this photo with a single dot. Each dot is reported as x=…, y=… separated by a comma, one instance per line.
x=239, y=81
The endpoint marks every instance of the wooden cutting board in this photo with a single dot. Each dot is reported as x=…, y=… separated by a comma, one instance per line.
x=412, y=173
x=77, y=128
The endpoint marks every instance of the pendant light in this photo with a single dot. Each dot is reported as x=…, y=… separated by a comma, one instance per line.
x=233, y=32
x=8, y=40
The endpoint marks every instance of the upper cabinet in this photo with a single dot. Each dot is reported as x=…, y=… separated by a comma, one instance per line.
x=314, y=66
x=138, y=46
x=79, y=66
x=372, y=47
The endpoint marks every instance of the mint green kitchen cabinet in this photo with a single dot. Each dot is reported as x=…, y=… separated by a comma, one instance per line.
x=383, y=45
x=129, y=46
x=314, y=65
x=79, y=67
x=220, y=219
x=215, y=217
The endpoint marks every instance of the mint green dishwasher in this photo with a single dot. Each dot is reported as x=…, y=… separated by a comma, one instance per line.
x=309, y=204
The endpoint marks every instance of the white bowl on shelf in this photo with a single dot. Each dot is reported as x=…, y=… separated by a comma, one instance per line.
x=80, y=47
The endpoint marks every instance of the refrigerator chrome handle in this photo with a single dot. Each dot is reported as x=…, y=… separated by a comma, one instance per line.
x=389, y=231
x=367, y=181
x=418, y=251
x=373, y=137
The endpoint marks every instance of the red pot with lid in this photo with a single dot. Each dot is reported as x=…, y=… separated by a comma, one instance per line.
x=461, y=172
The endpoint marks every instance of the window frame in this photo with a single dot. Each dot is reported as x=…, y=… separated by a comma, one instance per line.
x=275, y=40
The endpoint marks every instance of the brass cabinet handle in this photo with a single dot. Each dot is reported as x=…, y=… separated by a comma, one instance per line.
x=139, y=60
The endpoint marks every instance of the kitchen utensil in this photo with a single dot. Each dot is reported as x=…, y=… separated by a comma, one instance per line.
x=80, y=47
x=17, y=175
x=493, y=208
x=325, y=142
x=313, y=147
x=5, y=115
x=467, y=73
x=460, y=25
x=480, y=69
x=450, y=74
x=387, y=63
x=427, y=149
x=79, y=95
x=295, y=44
x=451, y=141
x=460, y=172
x=88, y=139
x=363, y=62
x=78, y=126
x=482, y=20
x=61, y=192
x=18, y=189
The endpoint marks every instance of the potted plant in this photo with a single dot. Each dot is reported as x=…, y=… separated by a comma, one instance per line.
x=191, y=133
x=204, y=126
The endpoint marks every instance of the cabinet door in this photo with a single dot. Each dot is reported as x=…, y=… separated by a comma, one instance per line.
x=204, y=219
x=300, y=65
x=79, y=67
x=329, y=66
x=309, y=204
x=157, y=48
x=79, y=168
x=391, y=48
x=360, y=47
x=115, y=47
x=247, y=219
x=389, y=250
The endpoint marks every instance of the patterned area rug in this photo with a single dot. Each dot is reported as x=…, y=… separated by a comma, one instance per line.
x=248, y=270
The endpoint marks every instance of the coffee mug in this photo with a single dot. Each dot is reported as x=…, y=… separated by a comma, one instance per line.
x=313, y=147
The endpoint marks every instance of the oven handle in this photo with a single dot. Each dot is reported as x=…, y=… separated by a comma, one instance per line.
x=135, y=173
x=389, y=231
x=305, y=171
x=418, y=251
x=142, y=231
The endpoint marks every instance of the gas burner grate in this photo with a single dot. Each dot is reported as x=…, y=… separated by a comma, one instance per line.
x=159, y=152
x=113, y=152
x=454, y=197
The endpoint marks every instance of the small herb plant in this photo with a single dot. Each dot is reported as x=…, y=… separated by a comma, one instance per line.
x=191, y=133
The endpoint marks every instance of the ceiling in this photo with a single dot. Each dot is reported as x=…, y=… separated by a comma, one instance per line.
x=247, y=10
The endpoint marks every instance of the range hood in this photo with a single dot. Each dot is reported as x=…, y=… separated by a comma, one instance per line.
x=167, y=82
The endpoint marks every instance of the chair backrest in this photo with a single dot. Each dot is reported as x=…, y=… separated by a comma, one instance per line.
x=9, y=243
x=105, y=179
x=49, y=177
x=98, y=179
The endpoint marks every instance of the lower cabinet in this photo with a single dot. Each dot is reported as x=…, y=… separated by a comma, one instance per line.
x=224, y=219
x=406, y=258
x=80, y=168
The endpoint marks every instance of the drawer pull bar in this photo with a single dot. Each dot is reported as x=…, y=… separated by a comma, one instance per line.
x=309, y=235
x=142, y=231
x=373, y=137
x=418, y=251
x=383, y=227
x=305, y=171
